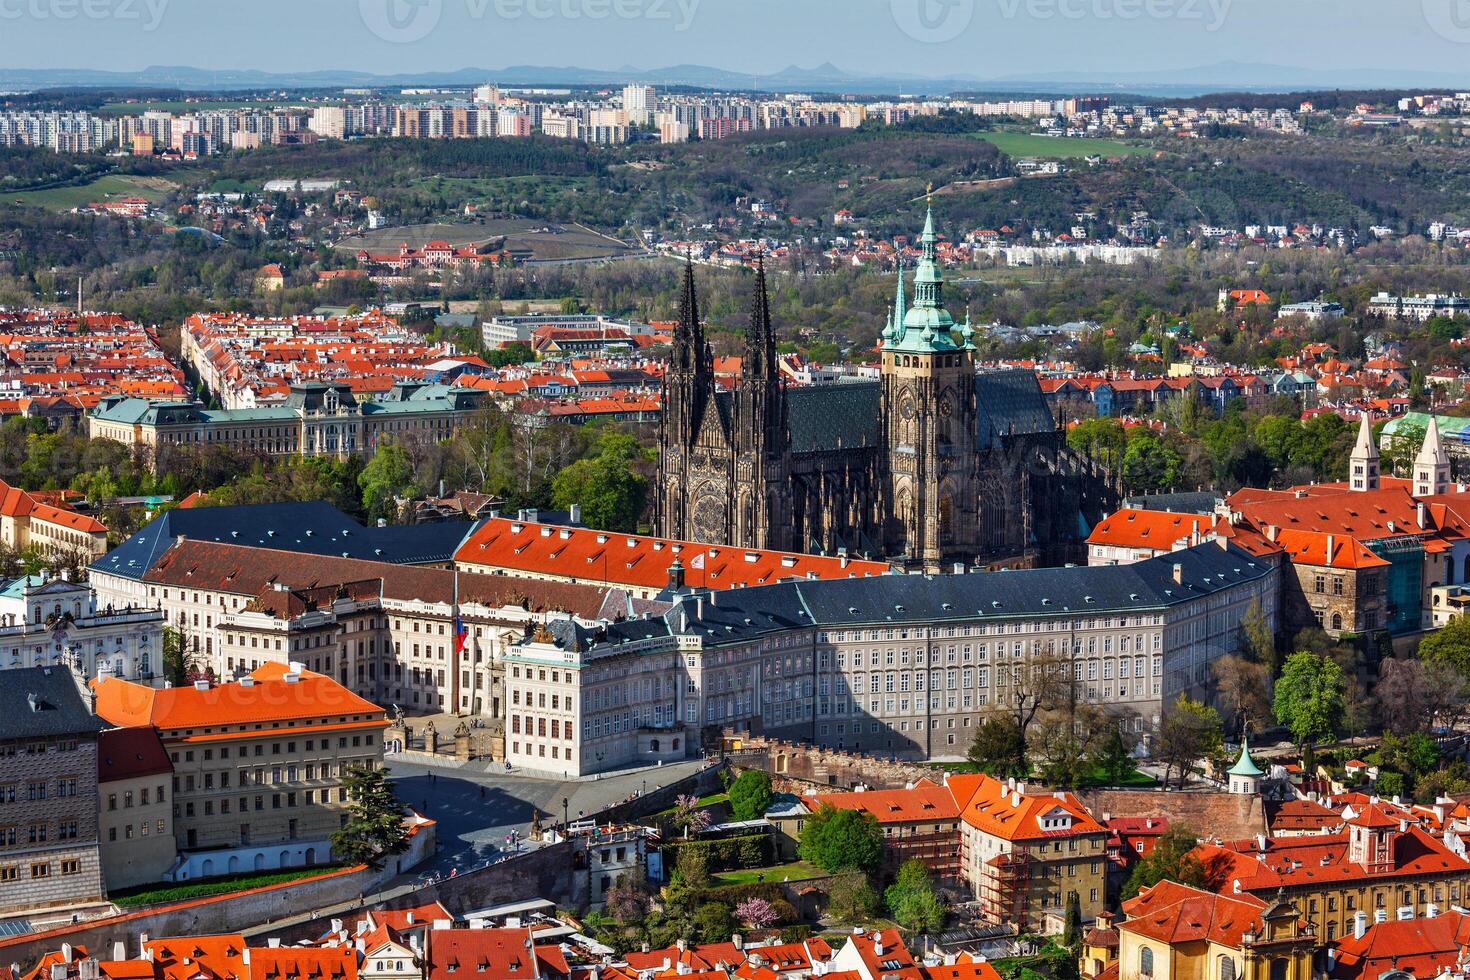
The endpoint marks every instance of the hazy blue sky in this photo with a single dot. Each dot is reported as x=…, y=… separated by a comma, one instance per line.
x=985, y=38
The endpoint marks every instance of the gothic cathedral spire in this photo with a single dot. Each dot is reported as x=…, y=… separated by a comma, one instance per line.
x=761, y=408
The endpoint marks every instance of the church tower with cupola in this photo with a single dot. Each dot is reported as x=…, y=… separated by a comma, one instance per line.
x=929, y=423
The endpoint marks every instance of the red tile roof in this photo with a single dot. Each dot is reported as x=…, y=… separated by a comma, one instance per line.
x=491, y=954
x=924, y=802
x=1155, y=529
x=636, y=560
x=1421, y=947
x=1175, y=913
x=992, y=807
x=127, y=753
x=269, y=697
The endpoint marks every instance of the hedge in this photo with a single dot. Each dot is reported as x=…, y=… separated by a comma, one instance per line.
x=725, y=854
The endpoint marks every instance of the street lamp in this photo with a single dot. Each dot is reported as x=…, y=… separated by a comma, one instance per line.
x=565, y=802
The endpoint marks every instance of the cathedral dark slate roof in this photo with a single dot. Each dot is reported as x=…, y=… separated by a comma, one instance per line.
x=1009, y=402
x=744, y=614
x=827, y=418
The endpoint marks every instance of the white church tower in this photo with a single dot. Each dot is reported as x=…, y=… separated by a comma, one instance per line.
x=1363, y=465
x=1432, y=468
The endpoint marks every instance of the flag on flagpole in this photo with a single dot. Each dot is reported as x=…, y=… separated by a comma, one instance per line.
x=461, y=635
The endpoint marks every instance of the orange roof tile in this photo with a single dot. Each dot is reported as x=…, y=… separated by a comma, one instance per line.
x=991, y=806
x=267, y=697
x=628, y=559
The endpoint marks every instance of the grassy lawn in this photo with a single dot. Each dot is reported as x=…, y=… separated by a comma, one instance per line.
x=163, y=892
x=796, y=871
x=112, y=185
x=709, y=800
x=1031, y=145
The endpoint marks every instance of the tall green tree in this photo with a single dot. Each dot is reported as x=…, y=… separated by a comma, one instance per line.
x=374, y=827
x=750, y=794
x=388, y=475
x=841, y=840
x=608, y=487
x=912, y=900
x=1309, y=698
x=1449, y=646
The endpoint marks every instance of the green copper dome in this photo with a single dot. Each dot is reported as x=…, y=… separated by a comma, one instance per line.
x=926, y=327
x=1246, y=766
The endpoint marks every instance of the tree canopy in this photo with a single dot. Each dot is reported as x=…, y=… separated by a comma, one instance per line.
x=750, y=794
x=1309, y=697
x=841, y=840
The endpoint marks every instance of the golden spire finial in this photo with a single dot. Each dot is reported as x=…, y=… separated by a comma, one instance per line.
x=929, y=194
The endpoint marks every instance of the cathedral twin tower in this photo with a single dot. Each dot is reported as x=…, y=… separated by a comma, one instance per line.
x=933, y=464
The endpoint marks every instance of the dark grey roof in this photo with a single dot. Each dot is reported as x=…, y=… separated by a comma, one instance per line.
x=1009, y=402
x=830, y=417
x=739, y=615
x=1203, y=502
x=314, y=528
x=43, y=702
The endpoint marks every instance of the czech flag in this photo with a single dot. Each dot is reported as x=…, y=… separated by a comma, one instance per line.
x=461, y=635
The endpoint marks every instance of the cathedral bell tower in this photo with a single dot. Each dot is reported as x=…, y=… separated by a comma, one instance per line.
x=929, y=424
x=687, y=388
x=761, y=518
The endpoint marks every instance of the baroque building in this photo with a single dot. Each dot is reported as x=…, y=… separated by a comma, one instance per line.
x=936, y=463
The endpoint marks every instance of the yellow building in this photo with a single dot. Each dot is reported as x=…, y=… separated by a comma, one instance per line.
x=258, y=764
x=1022, y=853
x=1175, y=932
x=1381, y=866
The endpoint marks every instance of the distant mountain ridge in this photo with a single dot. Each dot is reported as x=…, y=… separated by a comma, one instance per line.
x=824, y=78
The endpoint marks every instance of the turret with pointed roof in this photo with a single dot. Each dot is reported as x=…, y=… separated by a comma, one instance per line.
x=1432, y=467
x=1363, y=464
x=1245, y=775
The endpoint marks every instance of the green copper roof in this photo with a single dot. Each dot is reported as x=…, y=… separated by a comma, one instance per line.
x=926, y=327
x=1246, y=766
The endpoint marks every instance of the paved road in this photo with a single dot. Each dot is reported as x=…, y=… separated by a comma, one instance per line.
x=476, y=808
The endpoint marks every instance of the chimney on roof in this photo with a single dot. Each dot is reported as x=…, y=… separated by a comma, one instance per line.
x=1272, y=532
x=1178, y=574
x=1423, y=515
x=1360, y=924
x=202, y=684
x=1380, y=916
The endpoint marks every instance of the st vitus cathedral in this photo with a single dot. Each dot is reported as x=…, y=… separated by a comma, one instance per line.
x=934, y=464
